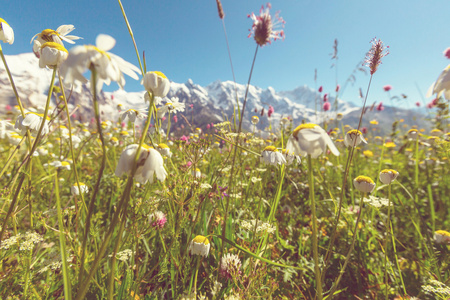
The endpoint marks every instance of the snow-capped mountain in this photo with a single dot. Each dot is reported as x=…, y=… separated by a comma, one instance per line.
x=213, y=103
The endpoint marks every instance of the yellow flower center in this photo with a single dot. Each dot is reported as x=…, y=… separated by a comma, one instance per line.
x=443, y=232
x=147, y=147
x=91, y=47
x=303, y=126
x=368, y=153
x=114, y=139
x=385, y=171
x=412, y=130
x=364, y=179
x=65, y=163
x=163, y=146
x=271, y=148
x=3, y=21
x=200, y=239
x=354, y=131
x=160, y=74
x=81, y=184
x=55, y=46
x=39, y=115
x=46, y=35
x=168, y=103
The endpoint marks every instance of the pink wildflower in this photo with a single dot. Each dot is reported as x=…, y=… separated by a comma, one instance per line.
x=338, y=87
x=380, y=107
x=326, y=106
x=387, y=88
x=208, y=126
x=163, y=118
x=325, y=98
x=270, y=111
x=375, y=54
x=447, y=53
x=191, y=105
x=184, y=138
x=364, y=130
x=263, y=28
x=8, y=107
x=189, y=163
x=320, y=89
x=435, y=101
x=212, y=125
x=175, y=119
x=157, y=219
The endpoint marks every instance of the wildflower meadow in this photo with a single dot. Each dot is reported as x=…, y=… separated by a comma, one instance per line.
x=136, y=207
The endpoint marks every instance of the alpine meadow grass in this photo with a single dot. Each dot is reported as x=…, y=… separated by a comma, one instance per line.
x=152, y=205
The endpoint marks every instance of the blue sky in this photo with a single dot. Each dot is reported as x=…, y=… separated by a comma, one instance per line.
x=185, y=39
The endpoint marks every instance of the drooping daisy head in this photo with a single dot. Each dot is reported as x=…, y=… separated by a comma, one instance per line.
x=199, y=246
x=6, y=32
x=32, y=121
x=77, y=191
x=51, y=55
x=353, y=138
x=265, y=28
x=364, y=184
x=387, y=176
x=442, y=237
x=272, y=156
x=310, y=139
x=156, y=83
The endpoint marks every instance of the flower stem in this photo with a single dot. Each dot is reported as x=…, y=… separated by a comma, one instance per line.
x=347, y=258
x=314, y=230
x=386, y=241
x=62, y=243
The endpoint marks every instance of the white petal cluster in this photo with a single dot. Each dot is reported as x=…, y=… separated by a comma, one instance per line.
x=60, y=164
x=156, y=83
x=76, y=191
x=291, y=157
x=172, y=106
x=6, y=32
x=51, y=55
x=32, y=121
x=364, y=184
x=310, y=139
x=109, y=67
x=272, y=156
x=164, y=150
x=199, y=246
x=230, y=265
x=260, y=226
x=388, y=176
x=441, y=85
x=353, y=138
x=442, y=237
x=132, y=114
x=150, y=163
x=56, y=36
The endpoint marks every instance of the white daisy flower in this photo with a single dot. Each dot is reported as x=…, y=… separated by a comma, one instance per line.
x=76, y=191
x=197, y=173
x=51, y=54
x=109, y=67
x=387, y=176
x=32, y=121
x=413, y=134
x=132, y=114
x=364, y=184
x=310, y=139
x=442, y=237
x=272, y=156
x=150, y=163
x=164, y=150
x=290, y=157
x=442, y=85
x=55, y=36
x=60, y=164
x=173, y=105
x=199, y=246
x=353, y=138
x=156, y=83
x=6, y=32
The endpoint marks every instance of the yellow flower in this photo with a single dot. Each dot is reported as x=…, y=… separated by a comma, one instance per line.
x=374, y=122
x=390, y=145
x=368, y=153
